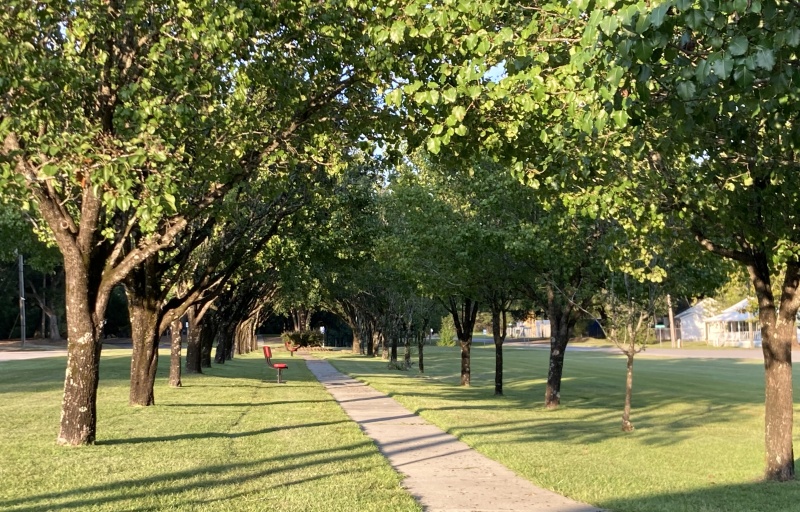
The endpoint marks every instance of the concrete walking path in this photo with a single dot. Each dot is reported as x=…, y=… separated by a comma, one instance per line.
x=441, y=472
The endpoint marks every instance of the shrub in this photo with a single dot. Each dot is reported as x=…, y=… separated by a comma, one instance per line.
x=447, y=333
x=303, y=338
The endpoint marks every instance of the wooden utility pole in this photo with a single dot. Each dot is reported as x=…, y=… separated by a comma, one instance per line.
x=675, y=343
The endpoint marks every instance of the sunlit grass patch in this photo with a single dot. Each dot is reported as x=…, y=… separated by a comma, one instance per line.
x=698, y=443
x=230, y=439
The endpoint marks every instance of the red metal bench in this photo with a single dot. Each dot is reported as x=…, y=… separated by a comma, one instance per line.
x=275, y=366
x=291, y=348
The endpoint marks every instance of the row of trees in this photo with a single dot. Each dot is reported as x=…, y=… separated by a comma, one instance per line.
x=183, y=149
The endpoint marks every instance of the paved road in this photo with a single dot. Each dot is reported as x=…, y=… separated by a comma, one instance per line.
x=16, y=355
x=730, y=353
x=441, y=472
x=9, y=350
x=727, y=353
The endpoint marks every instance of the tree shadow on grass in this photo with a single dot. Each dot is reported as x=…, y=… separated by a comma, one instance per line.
x=746, y=497
x=700, y=392
x=577, y=422
x=212, y=435
x=175, y=484
x=246, y=404
x=47, y=374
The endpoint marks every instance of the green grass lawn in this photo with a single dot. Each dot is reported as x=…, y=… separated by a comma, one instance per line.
x=227, y=440
x=698, y=444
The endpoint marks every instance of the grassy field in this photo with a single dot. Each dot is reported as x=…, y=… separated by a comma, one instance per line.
x=698, y=444
x=227, y=440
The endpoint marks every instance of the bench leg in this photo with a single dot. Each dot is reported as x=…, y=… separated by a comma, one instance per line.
x=279, y=375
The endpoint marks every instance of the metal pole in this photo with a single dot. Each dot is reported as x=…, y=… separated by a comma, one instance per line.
x=675, y=342
x=21, y=300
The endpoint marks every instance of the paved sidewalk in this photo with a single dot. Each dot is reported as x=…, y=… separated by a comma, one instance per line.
x=441, y=472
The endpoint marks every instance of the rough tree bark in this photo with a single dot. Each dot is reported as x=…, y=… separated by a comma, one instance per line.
x=175, y=354
x=143, y=308
x=627, y=426
x=208, y=333
x=55, y=330
x=301, y=319
x=464, y=314
x=420, y=350
x=48, y=312
x=351, y=315
x=777, y=335
x=499, y=336
x=393, y=350
x=88, y=288
x=244, y=335
x=226, y=340
x=561, y=323
x=84, y=343
x=193, y=341
x=371, y=342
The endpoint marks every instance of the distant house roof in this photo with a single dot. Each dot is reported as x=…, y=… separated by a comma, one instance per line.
x=736, y=313
x=697, y=309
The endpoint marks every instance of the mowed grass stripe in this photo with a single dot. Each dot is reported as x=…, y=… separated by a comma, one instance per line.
x=698, y=444
x=230, y=439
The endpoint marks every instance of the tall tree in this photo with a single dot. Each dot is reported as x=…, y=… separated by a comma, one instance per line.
x=198, y=265
x=122, y=118
x=710, y=89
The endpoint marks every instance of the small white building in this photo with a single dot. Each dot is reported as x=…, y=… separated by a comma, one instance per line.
x=541, y=329
x=692, y=321
x=736, y=326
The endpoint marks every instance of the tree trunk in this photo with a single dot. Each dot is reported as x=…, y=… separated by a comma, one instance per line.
x=561, y=323
x=220, y=353
x=369, y=338
x=777, y=335
x=301, y=318
x=498, y=368
x=420, y=347
x=193, y=342
x=407, y=353
x=393, y=351
x=252, y=337
x=144, y=359
x=208, y=333
x=55, y=333
x=244, y=335
x=352, y=317
x=143, y=308
x=381, y=345
x=627, y=426
x=226, y=341
x=47, y=311
x=465, y=345
x=464, y=315
x=78, y=424
x=175, y=354
x=43, y=327
x=237, y=338
x=558, y=344
x=499, y=336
